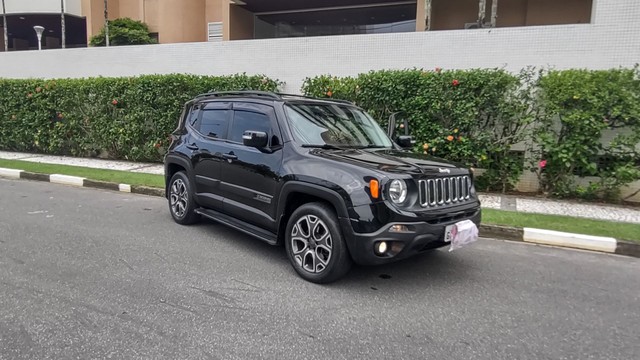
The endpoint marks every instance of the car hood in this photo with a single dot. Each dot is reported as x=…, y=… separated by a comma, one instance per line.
x=392, y=161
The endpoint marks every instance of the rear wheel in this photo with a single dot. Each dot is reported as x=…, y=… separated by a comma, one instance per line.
x=315, y=246
x=181, y=203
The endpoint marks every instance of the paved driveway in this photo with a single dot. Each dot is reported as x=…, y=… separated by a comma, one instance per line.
x=94, y=274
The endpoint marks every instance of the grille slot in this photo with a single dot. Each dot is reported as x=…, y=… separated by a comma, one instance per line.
x=446, y=190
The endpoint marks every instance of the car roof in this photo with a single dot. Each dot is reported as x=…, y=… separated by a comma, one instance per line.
x=266, y=96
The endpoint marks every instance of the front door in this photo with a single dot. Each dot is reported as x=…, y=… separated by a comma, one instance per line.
x=250, y=176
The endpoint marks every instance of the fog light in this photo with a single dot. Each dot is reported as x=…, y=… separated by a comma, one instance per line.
x=381, y=247
x=398, y=228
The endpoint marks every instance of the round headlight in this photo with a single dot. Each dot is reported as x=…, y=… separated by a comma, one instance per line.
x=398, y=191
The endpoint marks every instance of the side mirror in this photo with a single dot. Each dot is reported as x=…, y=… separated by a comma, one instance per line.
x=256, y=139
x=405, y=141
x=393, y=119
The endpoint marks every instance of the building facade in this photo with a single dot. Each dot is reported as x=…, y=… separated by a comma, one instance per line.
x=23, y=15
x=180, y=21
x=215, y=20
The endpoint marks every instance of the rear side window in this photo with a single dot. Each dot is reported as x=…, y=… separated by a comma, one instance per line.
x=248, y=120
x=213, y=123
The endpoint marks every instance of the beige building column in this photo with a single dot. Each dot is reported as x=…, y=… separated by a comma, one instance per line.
x=182, y=21
x=421, y=15
x=238, y=23
x=215, y=10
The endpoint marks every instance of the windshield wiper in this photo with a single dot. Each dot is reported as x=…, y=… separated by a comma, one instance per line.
x=372, y=146
x=323, y=146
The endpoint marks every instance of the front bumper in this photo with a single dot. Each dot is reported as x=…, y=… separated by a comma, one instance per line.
x=420, y=237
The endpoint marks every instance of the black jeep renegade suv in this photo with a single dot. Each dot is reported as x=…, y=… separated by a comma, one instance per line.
x=319, y=176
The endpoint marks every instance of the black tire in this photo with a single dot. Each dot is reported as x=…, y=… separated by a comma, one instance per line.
x=307, y=255
x=183, y=214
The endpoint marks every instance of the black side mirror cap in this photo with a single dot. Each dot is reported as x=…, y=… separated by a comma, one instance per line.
x=405, y=141
x=256, y=139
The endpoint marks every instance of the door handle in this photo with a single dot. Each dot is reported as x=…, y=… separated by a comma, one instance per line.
x=230, y=156
x=193, y=146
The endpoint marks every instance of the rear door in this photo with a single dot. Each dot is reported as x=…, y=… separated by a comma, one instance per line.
x=207, y=144
x=250, y=176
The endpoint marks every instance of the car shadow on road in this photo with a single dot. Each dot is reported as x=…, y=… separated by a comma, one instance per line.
x=432, y=268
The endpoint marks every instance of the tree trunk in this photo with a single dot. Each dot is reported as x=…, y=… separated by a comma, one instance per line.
x=4, y=22
x=427, y=11
x=494, y=13
x=106, y=22
x=63, y=37
x=482, y=10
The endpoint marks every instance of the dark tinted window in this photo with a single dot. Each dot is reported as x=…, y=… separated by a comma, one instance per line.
x=193, y=117
x=213, y=123
x=246, y=120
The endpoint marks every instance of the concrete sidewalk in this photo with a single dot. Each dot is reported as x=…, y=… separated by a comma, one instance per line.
x=490, y=201
x=148, y=168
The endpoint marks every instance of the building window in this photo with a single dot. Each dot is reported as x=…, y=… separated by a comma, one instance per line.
x=463, y=14
x=337, y=21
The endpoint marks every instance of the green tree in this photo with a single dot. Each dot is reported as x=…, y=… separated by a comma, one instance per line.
x=124, y=31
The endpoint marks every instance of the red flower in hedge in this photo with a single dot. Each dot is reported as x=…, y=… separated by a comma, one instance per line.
x=114, y=102
x=29, y=95
x=438, y=69
x=450, y=138
x=329, y=93
x=542, y=164
x=157, y=145
x=455, y=82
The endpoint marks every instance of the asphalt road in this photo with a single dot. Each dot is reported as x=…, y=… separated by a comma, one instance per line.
x=95, y=274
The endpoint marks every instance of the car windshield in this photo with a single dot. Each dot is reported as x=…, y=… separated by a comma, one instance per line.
x=334, y=125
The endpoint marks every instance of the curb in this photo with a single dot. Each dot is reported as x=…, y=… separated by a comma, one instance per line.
x=81, y=182
x=562, y=239
x=529, y=235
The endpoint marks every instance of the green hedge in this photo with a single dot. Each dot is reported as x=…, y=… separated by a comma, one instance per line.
x=469, y=116
x=580, y=107
x=477, y=116
x=117, y=118
x=473, y=116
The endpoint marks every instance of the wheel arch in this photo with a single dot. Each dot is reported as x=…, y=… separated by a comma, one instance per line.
x=295, y=194
x=174, y=164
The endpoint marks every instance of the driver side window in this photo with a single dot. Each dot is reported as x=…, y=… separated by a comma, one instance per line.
x=248, y=120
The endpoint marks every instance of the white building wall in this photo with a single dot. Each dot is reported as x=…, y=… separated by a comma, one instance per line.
x=612, y=40
x=72, y=7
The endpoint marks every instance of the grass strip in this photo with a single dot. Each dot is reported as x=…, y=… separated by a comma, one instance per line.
x=116, y=176
x=618, y=230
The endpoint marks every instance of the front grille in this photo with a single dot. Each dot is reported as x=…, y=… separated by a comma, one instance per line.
x=443, y=191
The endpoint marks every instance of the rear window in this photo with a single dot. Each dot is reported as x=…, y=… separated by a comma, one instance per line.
x=213, y=123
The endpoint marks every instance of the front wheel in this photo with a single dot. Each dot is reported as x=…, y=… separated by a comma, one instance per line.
x=181, y=203
x=314, y=244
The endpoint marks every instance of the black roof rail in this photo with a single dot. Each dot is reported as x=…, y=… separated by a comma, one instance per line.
x=240, y=93
x=316, y=98
x=266, y=94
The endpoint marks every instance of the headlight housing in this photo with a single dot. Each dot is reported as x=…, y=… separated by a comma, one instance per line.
x=398, y=191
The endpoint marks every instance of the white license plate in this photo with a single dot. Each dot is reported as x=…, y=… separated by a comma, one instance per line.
x=449, y=232
x=461, y=234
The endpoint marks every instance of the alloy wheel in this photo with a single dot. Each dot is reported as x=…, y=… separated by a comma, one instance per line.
x=311, y=244
x=179, y=199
